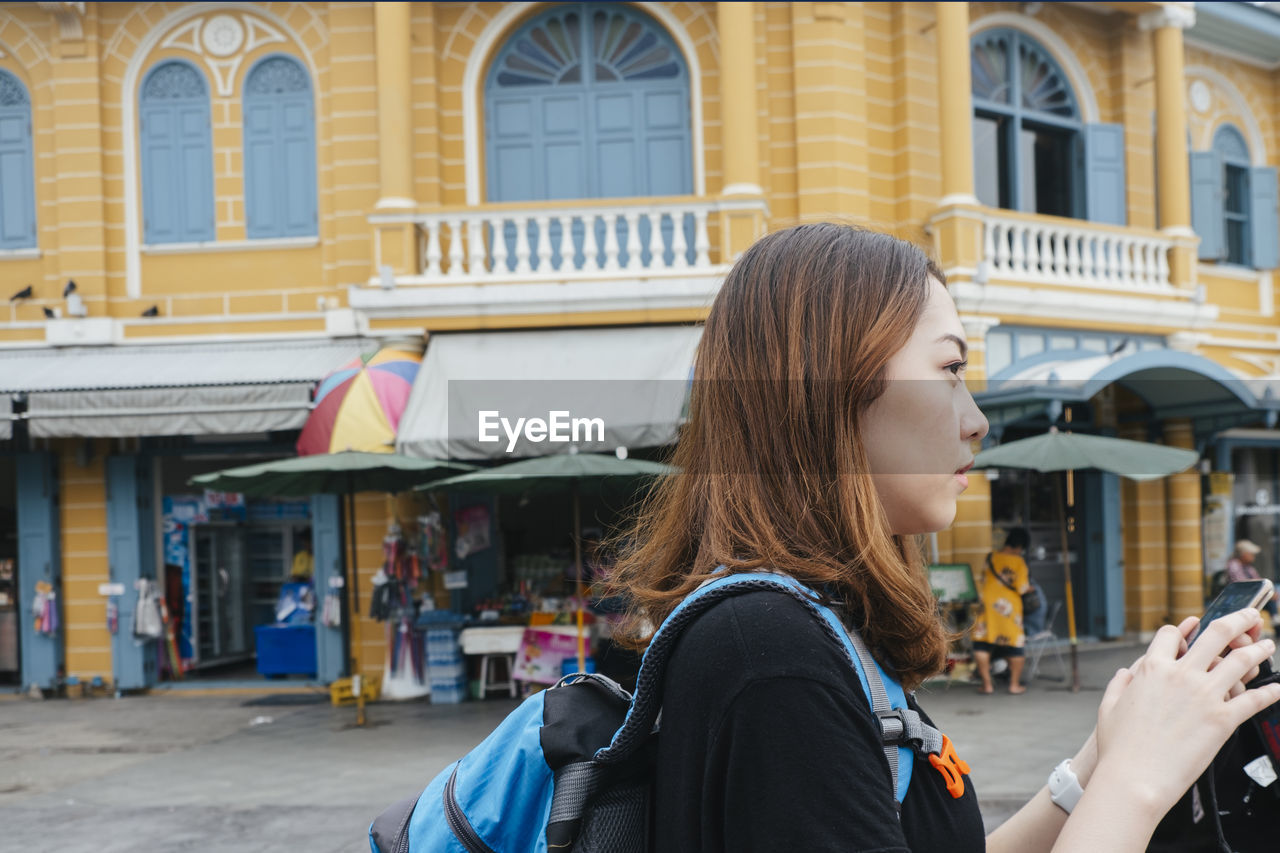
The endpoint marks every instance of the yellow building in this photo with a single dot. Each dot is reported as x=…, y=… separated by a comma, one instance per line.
x=248, y=195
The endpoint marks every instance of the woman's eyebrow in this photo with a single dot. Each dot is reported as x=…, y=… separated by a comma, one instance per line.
x=959, y=341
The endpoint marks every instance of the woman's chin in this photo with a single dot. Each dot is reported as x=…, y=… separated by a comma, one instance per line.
x=928, y=520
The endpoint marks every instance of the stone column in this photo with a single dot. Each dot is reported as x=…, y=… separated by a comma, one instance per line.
x=1182, y=496
x=1172, y=165
x=739, y=228
x=955, y=104
x=957, y=221
x=1146, y=575
x=394, y=244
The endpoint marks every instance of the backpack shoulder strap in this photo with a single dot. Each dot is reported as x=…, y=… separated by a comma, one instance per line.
x=902, y=729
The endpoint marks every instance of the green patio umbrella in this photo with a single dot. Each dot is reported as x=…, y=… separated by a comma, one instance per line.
x=343, y=473
x=558, y=473
x=1068, y=452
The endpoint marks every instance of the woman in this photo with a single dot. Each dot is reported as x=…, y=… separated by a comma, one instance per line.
x=999, y=630
x=829, y=425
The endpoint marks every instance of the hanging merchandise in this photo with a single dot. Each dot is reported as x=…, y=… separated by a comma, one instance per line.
x=148, y=623
x=45, y=608
x=331, y=614
x=380, y=601
x=434, y=542
x=472, y=526
x=113, y=615
x=405, y=675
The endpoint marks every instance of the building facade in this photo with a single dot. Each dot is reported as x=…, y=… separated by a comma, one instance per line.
x=247, y=195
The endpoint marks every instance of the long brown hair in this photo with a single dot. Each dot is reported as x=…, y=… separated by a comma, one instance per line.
x=774, y=475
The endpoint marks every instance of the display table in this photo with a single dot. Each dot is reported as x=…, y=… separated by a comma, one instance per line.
x=496, y=644
x=286, y=650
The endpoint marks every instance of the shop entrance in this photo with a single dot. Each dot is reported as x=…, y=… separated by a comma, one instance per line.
x=1256, y=504
x=238, y=580
x=31, y=635
x=10, y=673
x=1029, y=499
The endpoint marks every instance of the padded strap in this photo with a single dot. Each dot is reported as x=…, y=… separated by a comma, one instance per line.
x=901, y=728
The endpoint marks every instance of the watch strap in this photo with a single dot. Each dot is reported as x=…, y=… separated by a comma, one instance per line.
x=1064, y=787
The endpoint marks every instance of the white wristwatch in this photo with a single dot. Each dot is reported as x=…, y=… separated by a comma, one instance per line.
x=1064, y=787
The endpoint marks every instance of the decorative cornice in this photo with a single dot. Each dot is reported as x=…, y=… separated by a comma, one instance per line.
x=1180, y=15
x=70, y=26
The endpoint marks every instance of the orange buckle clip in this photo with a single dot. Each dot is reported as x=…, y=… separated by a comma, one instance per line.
x=951, y=768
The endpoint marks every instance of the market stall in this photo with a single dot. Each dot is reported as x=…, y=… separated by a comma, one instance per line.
x=546, y=587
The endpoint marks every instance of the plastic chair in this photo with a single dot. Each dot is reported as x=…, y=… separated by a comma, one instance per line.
x=1046, y=640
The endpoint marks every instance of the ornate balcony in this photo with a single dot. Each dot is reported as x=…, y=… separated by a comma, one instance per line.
x=1019, y=248
x=1046, y=268
x=593, y=254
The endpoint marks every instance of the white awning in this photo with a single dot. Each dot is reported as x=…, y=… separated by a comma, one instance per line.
x=169, y=389
x=598, y=388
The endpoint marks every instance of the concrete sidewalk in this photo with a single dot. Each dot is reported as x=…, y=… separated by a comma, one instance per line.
x=214, y=774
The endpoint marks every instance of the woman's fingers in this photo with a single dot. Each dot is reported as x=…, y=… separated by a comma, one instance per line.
x=1233, y=670
x=1218, y=635
x=1250, y=702
x=1165, y=644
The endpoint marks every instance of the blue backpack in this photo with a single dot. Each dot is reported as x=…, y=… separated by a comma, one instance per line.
x=572, y=767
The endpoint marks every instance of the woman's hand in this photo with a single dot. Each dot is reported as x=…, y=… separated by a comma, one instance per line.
x=1162, y=721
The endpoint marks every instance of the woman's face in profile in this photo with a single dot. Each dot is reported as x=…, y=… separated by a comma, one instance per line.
x=918, y=433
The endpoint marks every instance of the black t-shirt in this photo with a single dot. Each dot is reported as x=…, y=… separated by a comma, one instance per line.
x=768, y=744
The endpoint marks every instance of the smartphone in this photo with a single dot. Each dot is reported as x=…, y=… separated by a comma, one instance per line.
x=1236, y=596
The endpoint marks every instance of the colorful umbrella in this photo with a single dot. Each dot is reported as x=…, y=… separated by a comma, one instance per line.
x=358, y=406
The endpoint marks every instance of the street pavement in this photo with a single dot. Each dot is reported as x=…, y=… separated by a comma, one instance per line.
x=212, y=774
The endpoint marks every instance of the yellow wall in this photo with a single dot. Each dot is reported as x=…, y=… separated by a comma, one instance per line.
x=83, y=519
x=847, y=127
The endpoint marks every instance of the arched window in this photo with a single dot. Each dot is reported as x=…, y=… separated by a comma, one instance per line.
x=279, y=150
x=588, y=101
x=17, y=182
x=1233, y=203
x=1032, y=151
x=177, y=155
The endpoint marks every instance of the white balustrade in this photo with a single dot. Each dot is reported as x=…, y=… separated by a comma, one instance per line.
x=1050, y=252
x=552, y=243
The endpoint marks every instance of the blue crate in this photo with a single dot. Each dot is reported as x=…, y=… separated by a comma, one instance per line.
x=286, y=649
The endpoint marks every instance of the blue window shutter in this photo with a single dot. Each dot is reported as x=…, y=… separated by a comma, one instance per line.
x=1104, y=173
x=298, y=150
x=130, y=557
x=38, y=560
x=261, y=200
x=326, y=543
x=1264, y=222
x=158, y=168
x=177, y=156
x=198, y=209
x=17, y=181
x=1206, y=203
x=279, y=150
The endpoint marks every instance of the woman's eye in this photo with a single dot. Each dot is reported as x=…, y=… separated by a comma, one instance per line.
x=957, y=368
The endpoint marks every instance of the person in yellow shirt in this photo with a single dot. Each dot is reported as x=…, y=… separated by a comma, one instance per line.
x=303, y=562
x=998, y=630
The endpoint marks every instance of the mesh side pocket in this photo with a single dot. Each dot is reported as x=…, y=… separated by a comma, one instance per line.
x=617, y=821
